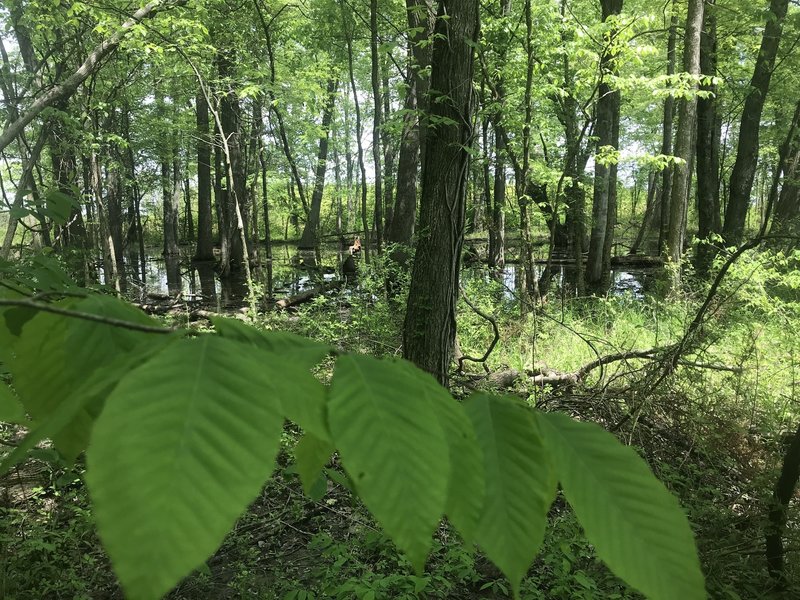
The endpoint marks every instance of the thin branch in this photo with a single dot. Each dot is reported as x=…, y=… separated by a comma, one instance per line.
x=66, y=312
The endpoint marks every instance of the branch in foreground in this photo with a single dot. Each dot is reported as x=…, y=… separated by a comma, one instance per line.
x=66, y=312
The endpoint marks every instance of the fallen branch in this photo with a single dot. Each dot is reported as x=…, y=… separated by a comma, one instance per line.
x=302, y=297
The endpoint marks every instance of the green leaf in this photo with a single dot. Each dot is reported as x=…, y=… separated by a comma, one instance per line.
x=311, y=455
x=184, y=443
x=635, y=524
x=287, y=358
x=11, y=410
x=392, y=447
x=55, y=355
x=86, y=401
x=520, y=483
x=58, y=206
x=465, y=486
x=287, y=345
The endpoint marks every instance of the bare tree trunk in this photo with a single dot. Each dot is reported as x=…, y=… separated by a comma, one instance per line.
x=364, y=219
x=376, y=123
x=310, y=237
x=430, y=325
x=782, y=495
x=684, y=137
x=666, y=139
x=604, y=205
x=420, y=21
x=205, y=247
x=744, y=168
x=708, y=217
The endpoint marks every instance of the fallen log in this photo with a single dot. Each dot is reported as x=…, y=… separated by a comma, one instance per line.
x=303, y=297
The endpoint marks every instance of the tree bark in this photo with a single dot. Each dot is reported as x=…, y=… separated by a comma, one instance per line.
x=205, y=246
x=420, y=21
x=430, y=325
x=604, y=205
x=684, y=137
x=744, y=168
x=708, y=130
x=666, y=136
x=376, y=123
x=310, y=237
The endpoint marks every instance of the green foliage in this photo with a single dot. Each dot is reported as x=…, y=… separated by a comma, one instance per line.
x=184, y=432
x=636, y=526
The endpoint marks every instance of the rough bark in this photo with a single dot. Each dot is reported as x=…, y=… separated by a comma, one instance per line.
x=787, y=207
x=684, y=137
x=708, y=142
x=430, y=325
x=744, y=169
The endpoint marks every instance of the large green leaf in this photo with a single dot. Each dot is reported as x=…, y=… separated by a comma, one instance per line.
x=11, y=411
x=183, y=444
x=287, y=359
x=520, y=483
x=465, y=486
x=86, y=401
x=636, y=525
x=393, y=448
x=55, y=355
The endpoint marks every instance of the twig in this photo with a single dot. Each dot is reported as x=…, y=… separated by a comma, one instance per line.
x=66, y=312
x=489, y=350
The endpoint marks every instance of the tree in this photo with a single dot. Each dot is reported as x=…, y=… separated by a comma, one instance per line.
x=684, y=137
x=604, y=206
x=709, y=126
x=744, y=169
x=429, y=329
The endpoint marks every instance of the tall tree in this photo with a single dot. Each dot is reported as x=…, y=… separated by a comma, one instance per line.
x=420, y=16
x=604, y=206
x=205, y=250
x=708, y=141
x=684, y=137
x=744, y=168
x=430, y=325
x=310, y=237
x=376, y=122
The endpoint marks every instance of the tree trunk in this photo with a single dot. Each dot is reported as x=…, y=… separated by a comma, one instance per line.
x=310, y=237
x=420, y=22
x=666, y=137
x=708, y=217
x=684, y=137
x=205, y=245
x=787, y=207
x=604, y=205
x=497, y=227
x=744, y=168
x=430, y=325
x=364, y=220
x=782, y=495
x=376, y=123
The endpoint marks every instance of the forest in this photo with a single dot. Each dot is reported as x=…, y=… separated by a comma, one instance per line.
x=307, y=299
